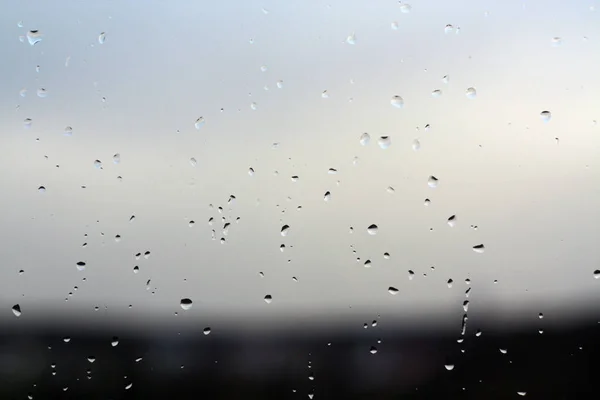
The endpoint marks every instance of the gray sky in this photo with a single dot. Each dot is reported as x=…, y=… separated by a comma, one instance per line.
x=163, y=65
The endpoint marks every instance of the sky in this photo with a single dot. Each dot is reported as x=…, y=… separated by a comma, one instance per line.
x=287, y=89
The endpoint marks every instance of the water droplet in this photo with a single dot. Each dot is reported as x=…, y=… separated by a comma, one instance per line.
x=42, y=189
x=522, y=393
x=373, y=350
x=452, y=221
x=42, y=93
x=263, y=68
x=68, y=131
x=325, y=95
x=480, y=248
x=80, y=265
x=268, y=299
x=98, y=164
x=597, y=274
x=384, y=142
x=102, y=38
x=503, y=351
x=20, y=24
x=351, y=39
x=367, y=263
x=23, y=92
x=445, y=79
x=466, y=305
x=556, y=41
x=471, y=93
x=364, y=139
x=405, y=8
x=253, y=106
x=136, y=269
x=128, y=386
x=397, y=101
x=427, y=202
x=66, y=339
x=185, y=304
x=416, y=145
x=386, y=256
x=411, y=274
x=327, y=196
x=392, y=290
x=27, y=123
x=436, y=93
x=91, y=359
x=448, y=29
x=395, y=25
x=450, y=281
x=116, y=158
x=546, y=115
x=251, y=171
x=478, y=333
x=16, y=309
x=285, y=230
x=372, y=229
x=34, y=37
x=206, y=330
x=449, y=367
x=432, y=182
x=193, y=162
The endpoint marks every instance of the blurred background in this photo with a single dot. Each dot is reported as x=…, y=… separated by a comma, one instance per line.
x=262, y=199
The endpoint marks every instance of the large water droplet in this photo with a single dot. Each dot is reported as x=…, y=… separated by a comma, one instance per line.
x=392, y=290
x=34, y=37
x=285, y=230
x=206, y=330
x=268, y=299
x=199, y=122
x=522, y=393
x=546, y=116
x=597, y=274
x=471, y=93
x=397, y=101
x=185, y=304
x=480, y=248
x=432, y=182
x=253, y=106
x=450, y=281
x=364, y=139
x=372, y=229
x=449, y=367
x=80, y=265
x=16, y=309
x=384, y=142
x=102, y=38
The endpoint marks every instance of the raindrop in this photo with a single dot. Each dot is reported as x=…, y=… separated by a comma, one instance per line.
x=332, y=171
x=117, y=238
x=471, y=93
x=540, y=315
x=263, y=68
x=199, y=122
x=20, y=24
x=185, y=304
x=466, y=305
x=325, y=95
x=117, y=158
x=372, y=229
x=436, y=93
x=432, y=182
x=452, y=221
x=386, y=256
x=206, y=330
x=503, y=351
x=253, y=106
x=397, y=101
x=268, y=299
x=136, y=269
x=115, y=341
x=42, y=93
x=91, y=359
x=68, y=131
x=522, y=393
x=102, y=38
x=66, y=339
x=445, y=79
x=284, y=230
x=42, y=189
x=98, y=164
x=416, y=145
x=546, y=115
x=392, y=290
x=373, y=350
x=395, y=25
x=480, y=248
x=128, y=386
x=193, y=162
x=390, y=190
x=27, y=123
x=450, y=281
x=364, y=139
x=556, y=41
x=405, y=8
x=449, y=367
x=384, y=142
x=411, y=274
x=597, y=274
x=34, y=37
x=351, y=39
x=427, y=202
x=251, y=171
x=367, y=263
x=80, y=265
x=23, y=92
x=16, y=309
x=327, y=196
x=448, y=29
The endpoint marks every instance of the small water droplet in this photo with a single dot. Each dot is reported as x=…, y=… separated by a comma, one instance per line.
x=185, y=304
x=522, y=393
x=351, y=39
x=325, y=95
x=16, y=309
x=80, y=265
x=116, y=158
x=128, y=386
x=556, y=41
x=392, y=290
x=448, y=29
x=206, y=330
x=42, y=93
x=546, y=116
x=367, y=263
x=68, y=131
x=253, y=106
x=395, y=25
x=405, y=8
x=416, y=145
x=136, y=269
x=66, y=339
x=268, y=299
x=432, y=182
x=251, y=171
x=397, y=101
x=452, y=221
x=34, y=37
x=193, y=162
x=450, y=281
x=411, y=274
x=445, y=79
x=436, y=93
x=98, y=164
x=480, y=248
x=372, y=229
x=285, y=230
x=27, y=123
x=597, y=274
x=503, y=351
x=279, y=84
x=364, y=139
x=449, y=367
x=471, y=93
x=373, y=350
x=384, y=142
x=427, y=202
x=102, y=38
x=91, y=359
x=386, y=256
x=42, y=189
x=327, y=196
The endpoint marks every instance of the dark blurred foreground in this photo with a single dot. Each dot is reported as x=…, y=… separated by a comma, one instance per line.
x=558, y=364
